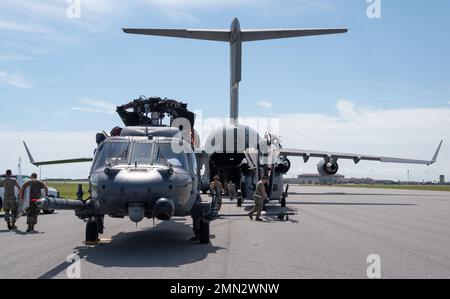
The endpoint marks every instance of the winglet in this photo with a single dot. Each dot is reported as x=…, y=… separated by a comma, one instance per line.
x=436, y=154
x=29, y=154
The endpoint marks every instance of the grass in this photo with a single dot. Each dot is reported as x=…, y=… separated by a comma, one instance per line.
x=69, y=190
x=403, y=187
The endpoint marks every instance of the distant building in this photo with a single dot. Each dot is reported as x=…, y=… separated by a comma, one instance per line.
x=442, y=179
x=316, y=179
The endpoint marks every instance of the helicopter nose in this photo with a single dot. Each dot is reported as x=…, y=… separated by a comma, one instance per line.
x=145, y=193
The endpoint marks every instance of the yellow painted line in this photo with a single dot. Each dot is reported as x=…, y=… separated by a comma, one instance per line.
x=93, y=243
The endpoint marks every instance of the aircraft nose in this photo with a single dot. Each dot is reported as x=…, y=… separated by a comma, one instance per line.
x=138, y=193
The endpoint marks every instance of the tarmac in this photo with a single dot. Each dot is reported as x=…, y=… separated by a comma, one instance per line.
x=331, y=233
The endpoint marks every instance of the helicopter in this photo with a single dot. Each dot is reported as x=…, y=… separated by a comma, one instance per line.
x=146, y=169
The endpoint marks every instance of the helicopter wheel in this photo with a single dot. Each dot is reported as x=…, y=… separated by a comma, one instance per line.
x=204, y=232
x=92, y=231
x=283, y=202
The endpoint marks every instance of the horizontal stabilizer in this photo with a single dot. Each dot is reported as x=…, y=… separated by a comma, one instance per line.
x=256, y=35
x=225, y=35
x=213, y=35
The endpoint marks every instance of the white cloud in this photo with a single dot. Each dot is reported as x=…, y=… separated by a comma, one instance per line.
x=265, y=104
x=15, y=80
x=185, y=9
x=95, y=106
x=14, y=57
x=174, y=9
x=426, y=92
x=21, y=27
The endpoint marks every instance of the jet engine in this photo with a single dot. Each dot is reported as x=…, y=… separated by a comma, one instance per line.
x=283, y=165
x=328, y=168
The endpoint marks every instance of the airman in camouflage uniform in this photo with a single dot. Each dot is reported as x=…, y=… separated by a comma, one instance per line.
x=36, y=187
x=10, y=203
x=217, y=189
x=259, y=196
x=232, y=190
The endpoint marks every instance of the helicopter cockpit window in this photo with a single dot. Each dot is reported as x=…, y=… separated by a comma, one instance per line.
x=142, y=153
x=166, y=156
x=113, y=153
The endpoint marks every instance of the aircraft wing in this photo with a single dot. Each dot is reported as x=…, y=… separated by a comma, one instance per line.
x=306, y=154
x=54, y=162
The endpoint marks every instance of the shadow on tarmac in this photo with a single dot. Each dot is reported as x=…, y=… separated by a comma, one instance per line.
x=165, y=245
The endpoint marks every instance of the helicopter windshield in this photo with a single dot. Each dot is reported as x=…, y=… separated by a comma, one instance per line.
x=112, y=152
x=142, y=153
x=166, y=156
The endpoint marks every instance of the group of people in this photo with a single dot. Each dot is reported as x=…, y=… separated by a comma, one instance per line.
x=11, y=204
x=260, y=194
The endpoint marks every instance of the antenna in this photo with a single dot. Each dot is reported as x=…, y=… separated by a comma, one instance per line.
x=19, y=166
x=235, y=37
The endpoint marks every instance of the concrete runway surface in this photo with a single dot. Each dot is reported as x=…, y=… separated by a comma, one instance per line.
x=331, y=236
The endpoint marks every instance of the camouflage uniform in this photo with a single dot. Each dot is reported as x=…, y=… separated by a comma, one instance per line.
x=259, y=196
x=35, y=194
x=9, y=202
x=232, y=190
x=216, y=188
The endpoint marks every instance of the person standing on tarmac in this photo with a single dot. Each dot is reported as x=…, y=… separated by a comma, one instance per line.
x=217, y=189
x=259, y=196
x=232, y=190
x=36, y=187
x=10, y=203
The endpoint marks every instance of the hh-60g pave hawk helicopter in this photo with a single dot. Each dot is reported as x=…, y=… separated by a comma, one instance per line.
x=146, y=169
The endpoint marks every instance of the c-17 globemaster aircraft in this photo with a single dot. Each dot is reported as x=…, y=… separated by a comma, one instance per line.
x=236, y=152
x=137, y=172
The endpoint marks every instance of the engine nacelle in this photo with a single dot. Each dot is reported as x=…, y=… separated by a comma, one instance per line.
x=283, y=165
x=328, y=168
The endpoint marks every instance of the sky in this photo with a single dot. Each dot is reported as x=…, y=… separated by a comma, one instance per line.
x=382, y=88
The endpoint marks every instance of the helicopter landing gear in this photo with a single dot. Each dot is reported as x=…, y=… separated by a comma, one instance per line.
x=204, y=232
x=91, y=231
x=283, y=202
x=201, y=231
x=202, y=215
x=94, y=227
